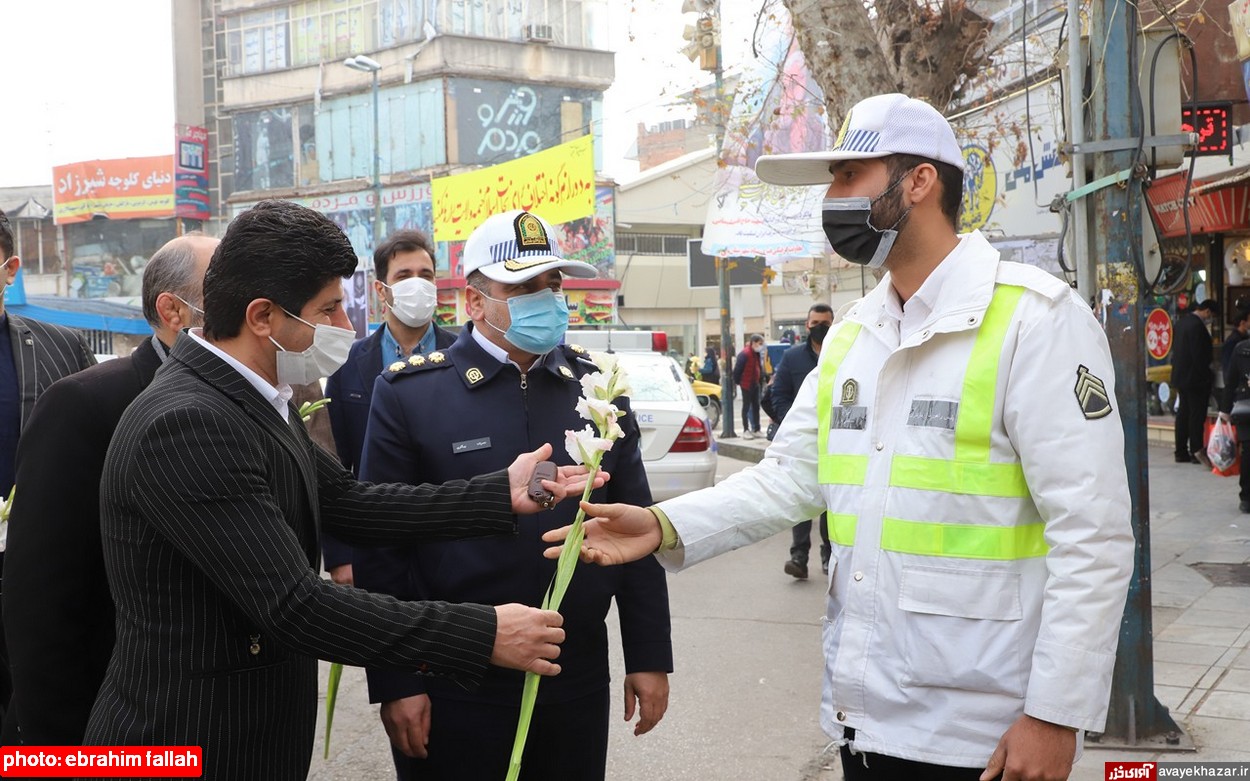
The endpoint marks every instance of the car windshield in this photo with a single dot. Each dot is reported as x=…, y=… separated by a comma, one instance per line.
x=654, y=380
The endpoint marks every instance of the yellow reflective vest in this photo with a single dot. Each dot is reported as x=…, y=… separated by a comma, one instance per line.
x=978, y=505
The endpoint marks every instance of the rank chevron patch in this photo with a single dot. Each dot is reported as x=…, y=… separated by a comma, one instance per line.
x=1091, y=395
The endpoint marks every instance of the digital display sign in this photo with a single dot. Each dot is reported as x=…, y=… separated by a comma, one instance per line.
x=1213, y=122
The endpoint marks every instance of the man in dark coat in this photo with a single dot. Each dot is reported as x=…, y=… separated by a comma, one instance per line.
x=212, y=501
x=795, y=365
x=57, y=606
x=1191, y=377
x=504, y=386
x=404, y=264
x=1237, y=388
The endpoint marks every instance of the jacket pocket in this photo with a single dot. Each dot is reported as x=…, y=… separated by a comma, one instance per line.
x=962, y=629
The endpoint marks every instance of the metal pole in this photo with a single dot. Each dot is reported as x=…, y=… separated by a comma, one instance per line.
x=1086, y=275
x=722, y=270
x=1135, y=717
x=377, y=174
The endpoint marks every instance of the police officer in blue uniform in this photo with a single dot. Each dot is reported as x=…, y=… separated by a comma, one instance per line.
x=503, y=387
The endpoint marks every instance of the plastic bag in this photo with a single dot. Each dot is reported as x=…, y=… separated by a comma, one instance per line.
x=1222, y=446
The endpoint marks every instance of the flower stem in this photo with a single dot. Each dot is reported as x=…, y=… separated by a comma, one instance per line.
x=569, y=554
x=332, y=691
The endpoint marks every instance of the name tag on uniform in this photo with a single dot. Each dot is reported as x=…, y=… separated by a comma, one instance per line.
x=852, y=418
x=469, y=445
x=933, y=413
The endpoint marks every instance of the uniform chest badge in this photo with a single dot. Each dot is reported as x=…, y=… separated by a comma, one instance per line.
x=850, y=392
x=437, y=357
x=567, y=372
x=417, y=360
x=474, y=376
x=398, y=366
x=1091, y=395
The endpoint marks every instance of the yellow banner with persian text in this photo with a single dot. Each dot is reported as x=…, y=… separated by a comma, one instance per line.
x=557, y=184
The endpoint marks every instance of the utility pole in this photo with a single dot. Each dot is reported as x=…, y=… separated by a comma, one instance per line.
x=1135, y=719
x=704, y=46
x=723, y=263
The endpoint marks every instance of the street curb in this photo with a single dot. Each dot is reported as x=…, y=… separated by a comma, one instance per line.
x=740, y=452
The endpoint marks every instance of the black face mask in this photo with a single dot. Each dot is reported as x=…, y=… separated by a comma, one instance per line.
x=848, y=226
x=816, y=334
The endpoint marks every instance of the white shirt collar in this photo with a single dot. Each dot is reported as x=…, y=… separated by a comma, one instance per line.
x=920, y=306
x=279, y=397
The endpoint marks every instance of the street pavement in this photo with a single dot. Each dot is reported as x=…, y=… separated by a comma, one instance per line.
x=746, y=691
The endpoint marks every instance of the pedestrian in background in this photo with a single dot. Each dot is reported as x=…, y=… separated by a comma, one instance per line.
x=749, y=376
x=710, y=371
x=1192, y=379
x=1237, y=388
x=1241, y=329
x=795, y=365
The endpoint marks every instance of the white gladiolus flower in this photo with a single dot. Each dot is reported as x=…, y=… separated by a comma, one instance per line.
x=598, y=411
x=596, y=386
x=605, y=361
x=584, y=447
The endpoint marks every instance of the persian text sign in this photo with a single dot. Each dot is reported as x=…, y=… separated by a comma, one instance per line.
x=557, y=184
x=191, y=172
x=119, y=189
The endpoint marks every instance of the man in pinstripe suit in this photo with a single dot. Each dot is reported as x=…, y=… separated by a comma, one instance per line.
x=213, y=500
x=33, y=356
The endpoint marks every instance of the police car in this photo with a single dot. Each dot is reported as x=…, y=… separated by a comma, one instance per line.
x=678, y=449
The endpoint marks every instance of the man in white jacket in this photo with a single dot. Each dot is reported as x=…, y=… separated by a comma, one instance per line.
x=960, y=431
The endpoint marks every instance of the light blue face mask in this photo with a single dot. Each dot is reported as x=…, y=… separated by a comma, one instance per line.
x=539, y=320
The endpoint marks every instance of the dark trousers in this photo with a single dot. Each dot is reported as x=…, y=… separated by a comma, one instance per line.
x=471, y=740
x=801, y=540
x=1191, y=414
x=751, y=409
x=878, y=767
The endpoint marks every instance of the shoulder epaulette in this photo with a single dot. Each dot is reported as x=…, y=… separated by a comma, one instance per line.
x=417, y=363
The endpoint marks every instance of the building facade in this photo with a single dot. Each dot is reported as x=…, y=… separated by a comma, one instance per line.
x=460, y=85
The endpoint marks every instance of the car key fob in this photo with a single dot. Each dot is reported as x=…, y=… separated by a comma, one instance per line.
x=543, y=470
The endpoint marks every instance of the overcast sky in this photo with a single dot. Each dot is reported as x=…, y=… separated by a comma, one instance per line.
x=87, y=80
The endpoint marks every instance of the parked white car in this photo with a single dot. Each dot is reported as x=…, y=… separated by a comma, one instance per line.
x=678, y=448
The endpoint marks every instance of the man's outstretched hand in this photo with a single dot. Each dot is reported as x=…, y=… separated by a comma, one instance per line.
x=570, y=481
x=615, y=534
x=527, y=638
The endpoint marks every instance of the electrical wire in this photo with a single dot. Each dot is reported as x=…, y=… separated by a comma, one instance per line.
x=1183, y=278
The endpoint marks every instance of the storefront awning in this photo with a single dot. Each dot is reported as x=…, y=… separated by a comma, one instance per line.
x=84, y=314
x=1216, y=203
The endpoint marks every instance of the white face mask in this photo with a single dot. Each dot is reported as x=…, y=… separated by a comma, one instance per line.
x=413, y=301
x=324, y=356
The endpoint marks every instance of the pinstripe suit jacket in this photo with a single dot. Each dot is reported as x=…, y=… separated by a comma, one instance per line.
x=44, y=353
x=211, y=507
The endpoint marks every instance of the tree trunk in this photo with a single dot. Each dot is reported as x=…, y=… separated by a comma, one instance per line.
x=842, y=51
x=923, y=49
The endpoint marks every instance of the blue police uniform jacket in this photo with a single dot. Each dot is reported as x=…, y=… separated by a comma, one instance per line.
x=462, y=412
